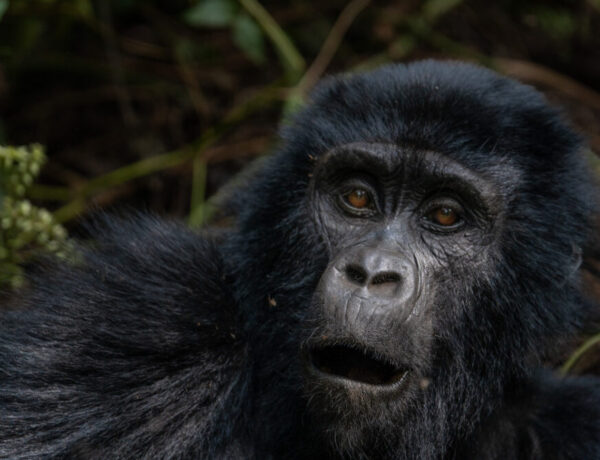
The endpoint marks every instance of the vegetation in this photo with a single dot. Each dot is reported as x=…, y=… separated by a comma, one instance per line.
x=24, y=228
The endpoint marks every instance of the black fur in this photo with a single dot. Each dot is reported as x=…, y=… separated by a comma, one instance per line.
x=162, y=343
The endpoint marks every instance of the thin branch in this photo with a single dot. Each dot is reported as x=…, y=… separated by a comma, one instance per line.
x=331, y=44
x=196, y=217
x=292, y=59
x=49, y=193
x=116, y=67
x=583, y=349
x=535, y=73
x=168, y=160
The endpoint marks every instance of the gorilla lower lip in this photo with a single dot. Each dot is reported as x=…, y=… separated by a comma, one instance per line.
x=354, y=364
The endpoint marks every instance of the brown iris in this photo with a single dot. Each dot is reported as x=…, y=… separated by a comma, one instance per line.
x=444, y=216
x=358, y=198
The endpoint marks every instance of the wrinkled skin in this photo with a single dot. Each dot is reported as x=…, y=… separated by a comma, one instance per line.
x=399, y=269
x=388, y=276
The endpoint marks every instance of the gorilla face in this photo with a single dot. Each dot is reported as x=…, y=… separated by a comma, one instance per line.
x=405, y=229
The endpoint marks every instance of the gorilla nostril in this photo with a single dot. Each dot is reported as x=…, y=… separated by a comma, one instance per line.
x=386, y=277
x=385, y=284
x=356, y=275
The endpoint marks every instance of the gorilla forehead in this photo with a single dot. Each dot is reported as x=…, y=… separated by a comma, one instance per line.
x=457, y=109
x=403, y=166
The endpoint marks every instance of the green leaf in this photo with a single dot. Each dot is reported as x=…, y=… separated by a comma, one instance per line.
x=211, y=13
x=3, y=7
x=248, y=36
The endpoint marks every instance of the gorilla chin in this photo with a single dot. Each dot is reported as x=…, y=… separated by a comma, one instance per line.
x=346, y=381
x=354, y=391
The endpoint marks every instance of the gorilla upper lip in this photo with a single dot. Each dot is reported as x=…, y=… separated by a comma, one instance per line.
x=346, y=364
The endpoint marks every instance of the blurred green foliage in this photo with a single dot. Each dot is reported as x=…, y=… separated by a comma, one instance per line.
x=246, y=33
x=3, y=7
x=25, y=230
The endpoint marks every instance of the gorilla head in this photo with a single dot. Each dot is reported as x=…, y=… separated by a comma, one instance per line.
x=411, y=254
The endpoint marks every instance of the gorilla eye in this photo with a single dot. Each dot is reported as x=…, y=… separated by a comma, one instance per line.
x=358, y=198
x=358, y=201
x=444, y=216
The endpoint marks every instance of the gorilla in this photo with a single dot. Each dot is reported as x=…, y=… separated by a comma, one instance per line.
x=398, y=272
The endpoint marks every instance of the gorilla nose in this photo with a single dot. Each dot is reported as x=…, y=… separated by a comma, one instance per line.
x=383, y=274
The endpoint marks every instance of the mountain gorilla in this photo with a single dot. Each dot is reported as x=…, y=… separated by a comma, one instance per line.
x=397, y=273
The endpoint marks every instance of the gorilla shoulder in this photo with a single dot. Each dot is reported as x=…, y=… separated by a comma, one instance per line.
x=106, y=357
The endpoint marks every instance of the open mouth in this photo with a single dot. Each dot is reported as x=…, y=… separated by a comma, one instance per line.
x=358, y=365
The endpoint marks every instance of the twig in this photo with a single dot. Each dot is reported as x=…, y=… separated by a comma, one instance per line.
x=167, y=160
x=587, y=345
x=331, y=44
x=49, y=193
x=184, y=69
x=196, y=217
x=524, y=70
x=116, y=67
x=292, y=59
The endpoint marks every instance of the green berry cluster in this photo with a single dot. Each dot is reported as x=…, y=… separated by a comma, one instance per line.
x=19, y=166
x=25, y=230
